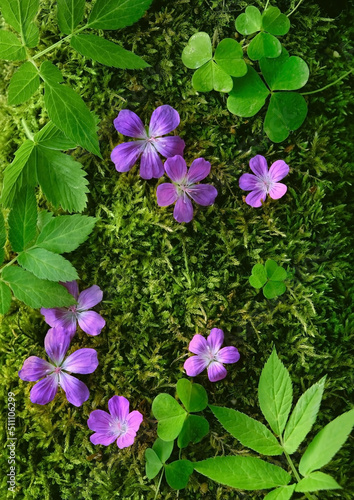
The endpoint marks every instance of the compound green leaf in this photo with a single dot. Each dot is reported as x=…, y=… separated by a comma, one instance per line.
x=274, y=289
x=275, y=22
x=47, y=265
x=193, y=396
x=5, y=298
x=23, y=220
x=23, y=84
x=229, y=57
x=263, y=45
x=70, y=14
x=20, y=14
x=50, y=73
x=194, y=429
x=198, y=51
x=258, y=277
x=284, y=72
x=11, y=48
x=116, y=14
x=249, y=22
x=170, y=416
x=153, y=463
x=2, y=237
x=317, y=481
x=275, y=272
x=286, y=112
x=248, y=95
x=282, y=493
x=43, y=218
x=52, y=137
x=211, y=76
x=163, y=449
x=177, y=473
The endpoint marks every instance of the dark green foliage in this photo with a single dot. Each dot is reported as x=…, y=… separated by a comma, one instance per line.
x=163, y=282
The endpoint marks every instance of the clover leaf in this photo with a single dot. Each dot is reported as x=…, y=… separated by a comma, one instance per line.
x=270, y=277
x=213, y=73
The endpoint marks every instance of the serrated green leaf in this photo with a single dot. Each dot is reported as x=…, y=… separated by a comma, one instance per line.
x=303, y=417
x=116, y=14
x=249, y=22
x=70, y=14
x=286, y=112
x=35, y=292
x=62, y=180
x=43, y=218
x=2, y=236
x=211, y=76
x=275, y=393
x=284, y=72
x=193, y=396
x=23, y=220
x=245, y=473
x=20, y=14
x=275, y=272
x=198, y=51
x=163, y=449
x=258, y=277
x=153, y=463
x=5, y=298
x=194, y=429
x=229, y=56
x=70, y=114
x=326, y=443
x=177, y=473
x=317, y=481
x=282, y=493
x=11, y=48
x=263, y=45
x=47, y=265
x=274, y=289
x=248, y=431
x=275, y=22
x=23, y=84
x=170, y=416
x=50, y=73
x=53, y=138
x=105, y=52
x=65, y=233
x=248, y=95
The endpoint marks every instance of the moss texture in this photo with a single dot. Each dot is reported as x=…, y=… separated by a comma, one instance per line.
x=164, y=281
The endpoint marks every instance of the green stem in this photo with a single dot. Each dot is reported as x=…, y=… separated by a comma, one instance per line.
x=294, y=9
x=27, y=130
x=296, y=474
x=329, y=85
x=266, y=5
x=9, y=263
x=158, y=486
x=48, y=49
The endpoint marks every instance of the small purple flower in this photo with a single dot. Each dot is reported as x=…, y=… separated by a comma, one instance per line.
x=210, y=356
x=184, y=187
x=118, y=424
x=67, y=317
x=264, y=182
x=163, y=121
x=56, y=343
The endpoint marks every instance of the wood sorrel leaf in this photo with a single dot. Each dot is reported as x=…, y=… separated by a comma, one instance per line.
x=47, y=265
x=153, y=463
x=198, y=51
x=275, y=393
x=326, y=443
x=284, y=72
x=65, y=233
x=20, y=14
x=229, y=56
x=170, y=416
x=116, y=14
x=248, y=95
x=5, y=298
x=105, y=52
x=35, y=292
x=275, y=272
x=2, y=237
x=303, y=417
x=274, y=289
x=245, y=473
x=275, y=22
x=23, y=84
x=163, y=449
x=286, y=112
x=263, y=45
x=70, y=14
x=177, y=473
x=248, y=431
x=193, y=430
x=282, y=493
x=317, y=481
x=23, y=220
x=11, y=48
x=249, y=22
x=52, y=137
x=211, y=76
x=193, y=396
x=258, y=277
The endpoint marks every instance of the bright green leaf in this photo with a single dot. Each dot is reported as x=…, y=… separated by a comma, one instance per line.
x=170, y=416
x=177, y=473
x=275, y=22
x=275, y=393
x=229, y=56
x=105, y=52
x=286, y=112
x=275, y=272
x=5, y=298
x=163, y=449
x=274, y=289
x=263, y=45
x=2, y=237
x=284, y=72
x=248, y=431
x=23, y=84
x=50, y=73
x=317, y=481
x=211, y=76
x=258, y=277
x=47, y=265
x=43, y=218
x=249, y=22
x=116, y=14
x=23, y=220
x=198, y=51
x=11, y=48
x=193, y=396
x=245, y=473
x=20, y=14
x=53, y=138
x=193, y=430
x=282, y=493
x=70, y=14
x=153, y=463
x=248, y=95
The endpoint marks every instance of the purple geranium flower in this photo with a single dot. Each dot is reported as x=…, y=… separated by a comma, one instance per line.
x=118, y=424
x=210, y=356
x=67, y=317
x=56, y=343
x=163, y=121
x=184, y=187
x=264, y=182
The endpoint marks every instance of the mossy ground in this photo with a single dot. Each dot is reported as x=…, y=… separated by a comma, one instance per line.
x=164, y=281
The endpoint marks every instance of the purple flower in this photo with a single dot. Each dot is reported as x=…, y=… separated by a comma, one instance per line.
x=118, y=424
x=67, y=317
x=184, y=187
x=210, y=356
x=56, y=343
x=264, y=182
x=163, y=121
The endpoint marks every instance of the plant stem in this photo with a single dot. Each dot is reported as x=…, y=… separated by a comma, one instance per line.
x=296, y=474
x=158, y=486
x=48, y=49
x=266, y=5
x=294, y=9
x=27, y=130
x=329, y=85
x=9, y=263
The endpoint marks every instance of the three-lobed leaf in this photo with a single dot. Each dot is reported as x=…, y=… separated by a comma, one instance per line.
x=198, y=50
x=273, y=289
x=258, y=277
x=229, y=56
x=250, y=21
x=177, y=473
x=23, y=220
x=286, y=112
x=284, y=72
x=153, y=463
x=47, y=265
x=263, y=45
x=282, y=493
x=170, y=416
x=194, y=429
x=11, y=49
x=274, y=272
x=193, y=396
x=317, y=481
x=23, y=84
x=248, y=95
x=116, y=14
x=211, y=77
x=70, y=14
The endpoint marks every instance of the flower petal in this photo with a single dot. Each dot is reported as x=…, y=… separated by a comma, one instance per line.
x=215, y=339
x=166, y=194
x=72, y=287
x=228, y=355
x=60, y=318
x=76, y=391
x=255, y=198
x=100, y=421
x=101, y=438
x=199, y=169
x=176, y=168
x=91, y=322
x=35, y=368
x=151, y=164
x=134, y=420
x=118, y=407
x=126, y=439
x=249, y=182
x=56, y=343
x=128, y=123
x=259, y=165
x=278, y=190
x=81, y=361
x=216, y=371
x=126, y=154
x=163, y=120
x=169, y=146
x=89, y=298
x=44, y=391
x=195, y=365
x=183, y=211
x=278, y=170
x=203, y=194
x=198, y=344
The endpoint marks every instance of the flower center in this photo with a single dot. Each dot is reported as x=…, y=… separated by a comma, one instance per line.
x=57, y=370
x=267, y=183
x=210, y=355
x=72, y=309
x=119, y=428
